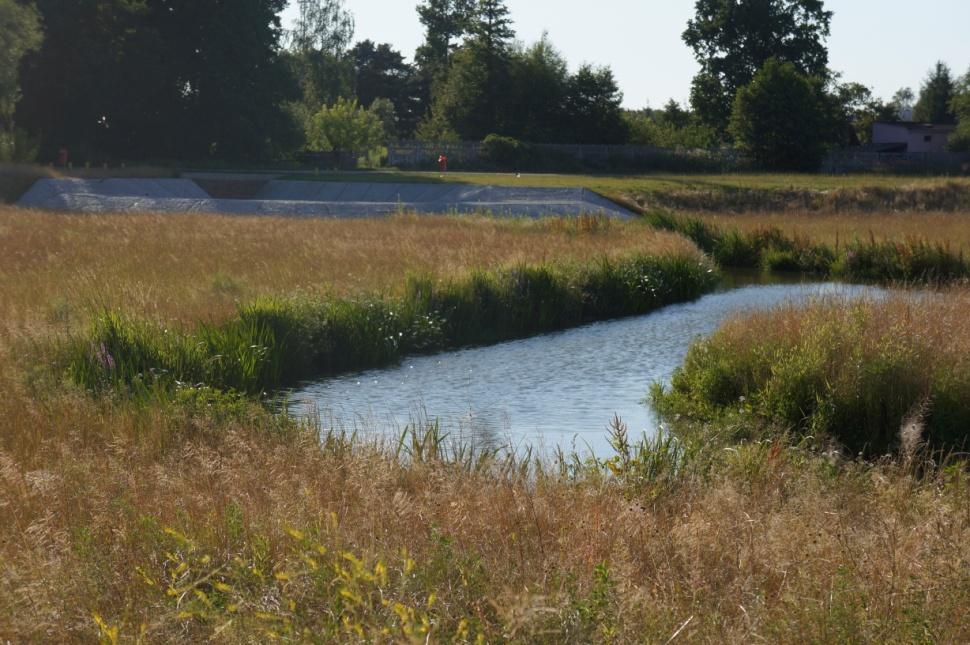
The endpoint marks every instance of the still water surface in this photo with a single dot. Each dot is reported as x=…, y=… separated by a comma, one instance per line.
x=559, y=389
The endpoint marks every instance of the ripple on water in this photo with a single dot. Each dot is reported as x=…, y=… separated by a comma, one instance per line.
x=559, y=389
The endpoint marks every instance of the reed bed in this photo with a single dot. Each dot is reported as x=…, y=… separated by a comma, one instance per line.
x=876, y=376
x=275, y=342
x=812, y=193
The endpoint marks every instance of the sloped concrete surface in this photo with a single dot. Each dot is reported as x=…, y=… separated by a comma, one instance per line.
x=314, y=199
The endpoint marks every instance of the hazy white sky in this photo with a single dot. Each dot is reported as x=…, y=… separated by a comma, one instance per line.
x=885, y=44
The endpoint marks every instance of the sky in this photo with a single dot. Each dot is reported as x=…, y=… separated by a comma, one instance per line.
x=883, y=44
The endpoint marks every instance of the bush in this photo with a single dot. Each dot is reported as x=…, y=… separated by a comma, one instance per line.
x=505, y=153
x=346, y=127
x=857, y=373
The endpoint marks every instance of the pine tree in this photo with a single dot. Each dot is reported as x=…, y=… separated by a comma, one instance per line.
x=935, y=97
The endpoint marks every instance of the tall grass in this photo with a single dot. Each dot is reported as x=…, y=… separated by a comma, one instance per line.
x=856, y=373
x=275, y=342
x=55, y=269
x=872, y=259
x=246, y=530
x=835, y=229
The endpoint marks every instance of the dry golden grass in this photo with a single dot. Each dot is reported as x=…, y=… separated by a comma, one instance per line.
x=772, y=545
x=197, y=267
x=765, y=542
x=947, y=228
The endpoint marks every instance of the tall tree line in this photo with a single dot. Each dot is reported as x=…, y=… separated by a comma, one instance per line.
x=190, y=79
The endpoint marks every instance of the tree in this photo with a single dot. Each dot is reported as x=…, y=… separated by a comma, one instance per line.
x=539, y=82
x=733, y=40
x=491, y=27
x=960, y=106
x=381, y=73
x=230, y=74
x=903, y=102
x=444, y=21
x=474, y=98
x=345, y=127
x=935, y=97
x=322, y=26
x=317, y=56
x=20, y=34
x=852, y=111
x=80, y=89
x=668, y=128
x=462, y=100
x=170, y=78
x=780, y=119
x=593, y=107
x=385, y=112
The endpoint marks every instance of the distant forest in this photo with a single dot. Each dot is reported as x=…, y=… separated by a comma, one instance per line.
x=143, y=80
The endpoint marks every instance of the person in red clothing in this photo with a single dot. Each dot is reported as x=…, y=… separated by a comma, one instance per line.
x=443, y=163
x=63, y=158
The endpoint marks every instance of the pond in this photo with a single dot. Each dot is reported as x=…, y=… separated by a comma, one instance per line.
x=556, y=390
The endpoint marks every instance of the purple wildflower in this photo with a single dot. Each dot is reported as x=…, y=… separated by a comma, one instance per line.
x=105, y=358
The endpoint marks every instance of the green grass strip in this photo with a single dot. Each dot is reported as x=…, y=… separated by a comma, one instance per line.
x=272, y=343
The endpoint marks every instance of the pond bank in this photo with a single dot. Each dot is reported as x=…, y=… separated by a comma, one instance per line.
x=272, y=343
x=557, y=390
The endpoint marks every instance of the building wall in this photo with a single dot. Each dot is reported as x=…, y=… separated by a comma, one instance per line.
x=915, y=139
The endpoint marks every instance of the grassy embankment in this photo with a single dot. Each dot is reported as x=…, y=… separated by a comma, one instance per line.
x=490, y=281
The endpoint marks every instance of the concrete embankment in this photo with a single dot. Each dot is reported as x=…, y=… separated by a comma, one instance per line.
x=314, y=199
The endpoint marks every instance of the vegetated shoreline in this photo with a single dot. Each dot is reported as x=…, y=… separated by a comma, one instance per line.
x=941, y=195
x=273, y=343
x=911, y=261
x=878, y=377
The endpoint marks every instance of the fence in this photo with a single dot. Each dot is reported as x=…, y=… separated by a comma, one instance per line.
x=846, y=161
x=471, y=154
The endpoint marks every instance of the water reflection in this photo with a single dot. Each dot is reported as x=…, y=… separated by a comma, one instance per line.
x=559, y=389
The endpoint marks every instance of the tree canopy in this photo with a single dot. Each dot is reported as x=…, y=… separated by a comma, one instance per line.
x=778, y=118
x=935, y=97
x=20, y=33
x=172, y=78
x=732, y=41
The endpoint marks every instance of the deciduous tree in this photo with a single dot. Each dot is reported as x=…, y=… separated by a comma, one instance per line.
x=20, y=34
x=781, y=119
x=732, y=40
x=345, y=127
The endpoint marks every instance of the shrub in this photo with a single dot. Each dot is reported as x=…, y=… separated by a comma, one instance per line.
x=857, y=373
x=504, y=153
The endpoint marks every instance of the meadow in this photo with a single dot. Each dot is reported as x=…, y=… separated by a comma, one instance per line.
x=949, y=229
x=57, y=268
x=192, y=511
